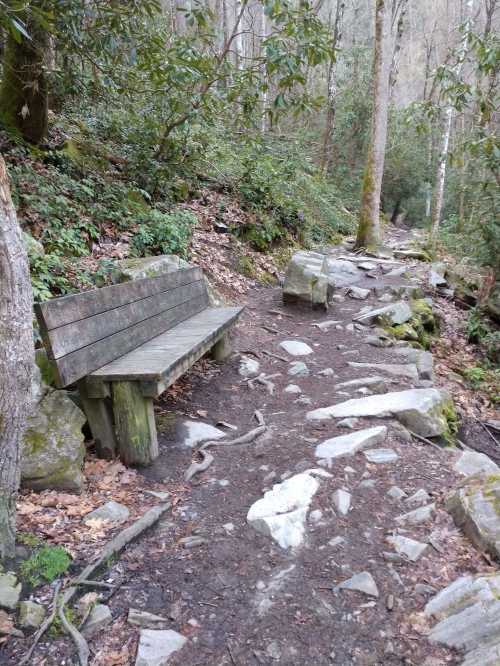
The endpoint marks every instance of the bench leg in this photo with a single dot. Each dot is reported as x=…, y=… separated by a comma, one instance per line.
x=222, y=348
x=100, y=417
x=134, y=424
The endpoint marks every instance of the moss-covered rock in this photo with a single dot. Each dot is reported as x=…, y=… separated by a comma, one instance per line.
x=53, y=446
x=135, y=268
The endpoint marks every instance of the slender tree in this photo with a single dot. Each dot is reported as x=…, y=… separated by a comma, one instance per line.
x=326, y=154
x=438, y=197
x=24, y=89
x=369, y=222
x=16, y=359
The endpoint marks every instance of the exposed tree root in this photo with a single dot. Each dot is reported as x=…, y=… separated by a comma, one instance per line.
x=208, y=459
x=115, y=546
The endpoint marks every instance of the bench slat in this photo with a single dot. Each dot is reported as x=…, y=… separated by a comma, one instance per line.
x=60, y=311
x=84, y=361
x=66, y=339
x=170, y=354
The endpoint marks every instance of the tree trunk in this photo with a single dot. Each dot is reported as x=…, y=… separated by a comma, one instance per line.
x=438, y=199
x=369, y=223
x=24, y=90
x=16, y=359
x=326, y=156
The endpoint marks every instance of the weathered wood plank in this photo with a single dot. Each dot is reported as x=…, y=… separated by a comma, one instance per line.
x=168, y=355
x=84, y=361
x=60, y=311
x=100, y=417
x=73, y=336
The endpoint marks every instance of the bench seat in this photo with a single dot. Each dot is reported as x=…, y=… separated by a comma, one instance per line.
x=125, y=344
x=166, y=357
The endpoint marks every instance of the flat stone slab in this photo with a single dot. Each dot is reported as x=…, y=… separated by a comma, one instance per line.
x=406, y=370
x=348, y=445
x=417, y=516
x=342, y=501
x=293, y=389
x=194, y=432
x=473, y=462
x=157, y=646
x=281, y=514
x=421, y=410
x=394, y=314
x=376, y=382
x=475, y=508
x=112, y=511
x=468, y=611
x=296, y=348
x=381, y=456
x=410, y=548
x=419, y=498
x=361, y=582
x=298, y=369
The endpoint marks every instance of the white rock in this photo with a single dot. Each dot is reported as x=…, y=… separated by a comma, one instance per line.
x=325, y=325
x=248, y=367
x=327, y=372
x=315, y=516
x=342, y=501
x=362, y=582
x=418, y=498
x=112, y=511
x=348, y=445
x=380, y=456
x=473, y=462
x=194, y=432
x=282, y=512
x=421, y=410
x=408, y=547
x=293, y=388
x=298, y=369
x=336, y=541
x=396, y=493
x=358, y=293
x=417, y=516
x=157, y=646
x=296, y=348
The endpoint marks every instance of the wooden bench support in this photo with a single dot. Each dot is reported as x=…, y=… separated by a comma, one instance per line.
x=134, y=424
x=222, y=348
x=100, y=417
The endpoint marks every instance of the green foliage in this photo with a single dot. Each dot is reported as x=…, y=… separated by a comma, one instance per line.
x=163, y=233
x=45, y=565
x=479, y=331
x=475, y=375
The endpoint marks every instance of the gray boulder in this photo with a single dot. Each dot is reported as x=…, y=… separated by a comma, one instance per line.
x=306, y=281
x=10, y=591
x=392, y=314
x=475, y=509
x=157, y=646
x=341, y=273
x=53, y=446
x=31, y=614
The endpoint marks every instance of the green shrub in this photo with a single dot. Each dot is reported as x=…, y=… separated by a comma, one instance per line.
x=164, y=233
x=45, y=565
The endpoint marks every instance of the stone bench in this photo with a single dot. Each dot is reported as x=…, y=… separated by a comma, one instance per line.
x=125, y=345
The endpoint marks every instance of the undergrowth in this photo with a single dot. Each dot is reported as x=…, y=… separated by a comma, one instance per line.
x=45, y=565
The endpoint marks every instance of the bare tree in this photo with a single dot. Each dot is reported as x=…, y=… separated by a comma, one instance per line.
x=16, y=359
x=369, y=223
x=438, y=198
x=326, y=153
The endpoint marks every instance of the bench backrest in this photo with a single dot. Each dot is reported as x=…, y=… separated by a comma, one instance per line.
x=84, y=332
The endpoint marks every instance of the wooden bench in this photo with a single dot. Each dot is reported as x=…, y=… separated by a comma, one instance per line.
x=124, y=345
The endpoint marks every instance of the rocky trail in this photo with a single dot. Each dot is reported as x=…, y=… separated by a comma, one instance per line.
x=324, y=539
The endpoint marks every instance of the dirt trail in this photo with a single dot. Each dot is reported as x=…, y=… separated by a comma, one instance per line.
x=237, y=595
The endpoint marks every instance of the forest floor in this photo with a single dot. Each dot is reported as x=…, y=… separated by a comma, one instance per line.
x=236, y=595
